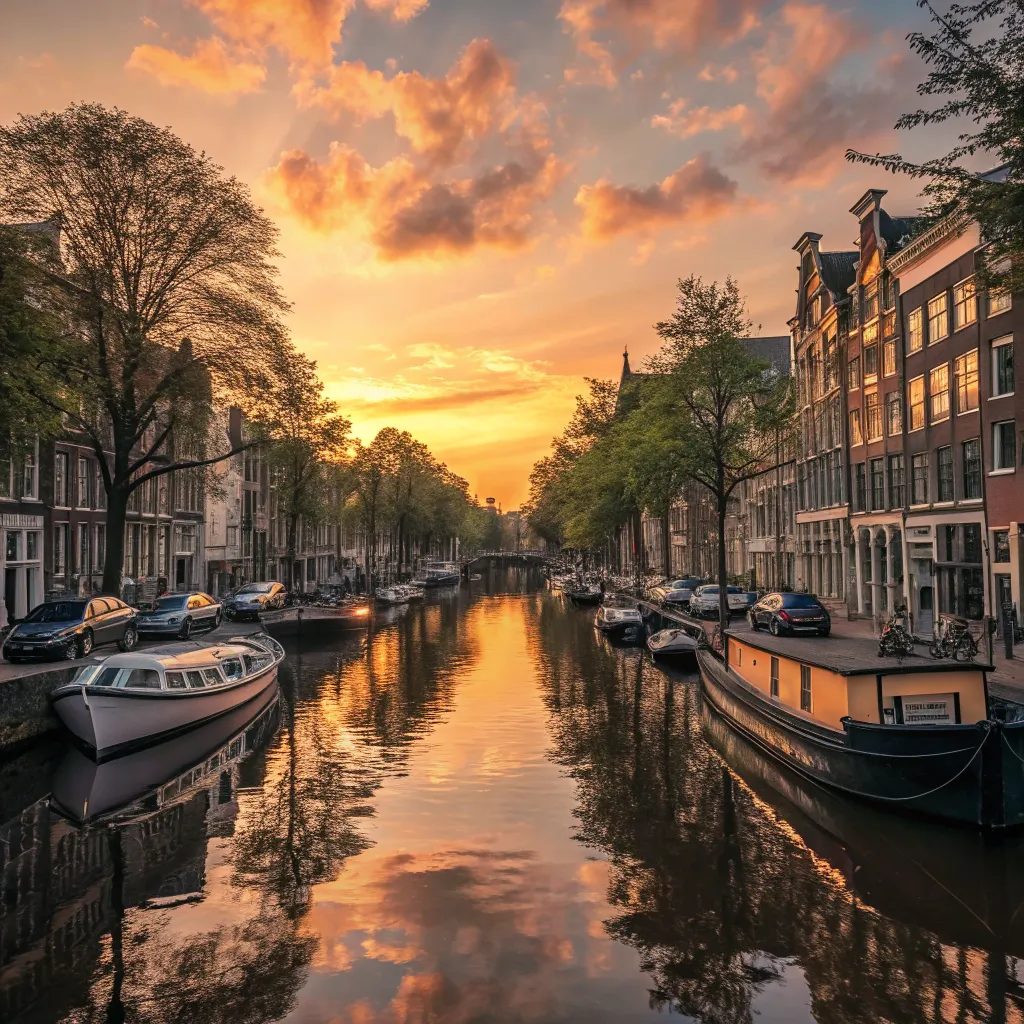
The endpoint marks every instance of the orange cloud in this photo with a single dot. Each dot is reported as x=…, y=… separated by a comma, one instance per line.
x=671, y=25
x=305, y=30
x=211, y=67
x=404, y=214
x=400, y=10
x=684, y=123
x=698, y=191
x=437, y=115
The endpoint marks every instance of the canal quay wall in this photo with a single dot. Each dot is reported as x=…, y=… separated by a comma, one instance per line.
x=25, y=712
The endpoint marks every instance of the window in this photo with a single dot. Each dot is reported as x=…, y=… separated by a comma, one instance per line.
x=860, y=485
x=871, y=300
x=871, y=362
x=877, y=484
x=972, y=542
x=28, y=475
x=944, y=471
x=195, y=680
x=1004, y=445
x=60, y=549
x=99, y=491
x=175, y=681
x=965, y=370
x=1002, y=366
x=965, y=304
x=99, y=548
x=13, y=542
x=82, y=554
x=82, y=488
x=775, y=679
x=32, y=553
x=938, y=318
x=805, y=688
x=853, y=374
x=893, y=414
x=897, y=487
x=856, y=436
x=872, y=416
x=915, y=401
x=60, y=479
x=915, y=334
x=998, y=301
x=143, y=679
x=1001, y=544
x=889, y=358
x=938, y=392
x=919, y=479
x=972, y=469
x=212, y=677
x=232, y=668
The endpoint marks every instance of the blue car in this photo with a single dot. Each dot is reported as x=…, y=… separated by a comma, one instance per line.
x=180, y=615
x=71, y=627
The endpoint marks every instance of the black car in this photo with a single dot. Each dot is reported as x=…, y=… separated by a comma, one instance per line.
x=789, y=614
x=71, y=627
x=254, y=598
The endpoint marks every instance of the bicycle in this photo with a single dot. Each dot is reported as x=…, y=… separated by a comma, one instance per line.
x=955, y=640
x=895, y=640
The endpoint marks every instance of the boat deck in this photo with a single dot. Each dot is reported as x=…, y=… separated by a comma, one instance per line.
x=847, y=655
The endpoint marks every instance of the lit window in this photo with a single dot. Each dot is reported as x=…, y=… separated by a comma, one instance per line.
x=938, y=318
x=915, y=402
x=853, y=374
x=1004, y=447
x=938, y=391
x=965, y=369
x=998, y=301
x=915, y=334
x=1002, y=366
x=919, y=479
x=856, y=434
x=873, y=416
x=965, y=304
x=893, y=414
x=870, y=363
x=889, y=358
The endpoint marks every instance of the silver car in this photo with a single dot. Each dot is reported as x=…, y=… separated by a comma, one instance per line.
x=180, y=615
x=704, y=602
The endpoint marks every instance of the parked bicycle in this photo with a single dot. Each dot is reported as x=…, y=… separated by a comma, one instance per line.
x=895, y=640
x=955, y=640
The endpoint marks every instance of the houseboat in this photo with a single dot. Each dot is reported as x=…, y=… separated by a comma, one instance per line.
x=319, y=621
x=912, y=734
x=130, y=700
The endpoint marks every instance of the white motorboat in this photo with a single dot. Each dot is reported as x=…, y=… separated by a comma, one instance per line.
x=412, y=593
x=620, y=619
x=316, y=620
x=392, y=595
x=133, y=699
x=673, y=641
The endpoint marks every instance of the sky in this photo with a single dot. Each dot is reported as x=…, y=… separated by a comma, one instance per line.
x=482, y=202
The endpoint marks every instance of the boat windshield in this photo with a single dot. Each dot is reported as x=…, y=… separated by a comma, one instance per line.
x=57, y=611
x=257, y=662
x=232, y=669
x=141, y=679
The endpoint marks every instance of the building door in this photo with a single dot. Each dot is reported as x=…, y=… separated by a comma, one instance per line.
x=10, y=592
x=179, y=574
x=1004, y=599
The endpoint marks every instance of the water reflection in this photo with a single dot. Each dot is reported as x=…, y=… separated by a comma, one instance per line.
x=480, y=810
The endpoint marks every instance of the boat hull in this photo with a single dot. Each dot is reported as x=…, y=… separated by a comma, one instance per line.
x=447, y=580
x=623, y=632
x=312, y=622
x=949, y=772
x=111, y=721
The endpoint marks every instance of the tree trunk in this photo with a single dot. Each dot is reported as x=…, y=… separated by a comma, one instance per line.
x=293, y=526
x=113, y=562
x=723, y=588
x=666, y=541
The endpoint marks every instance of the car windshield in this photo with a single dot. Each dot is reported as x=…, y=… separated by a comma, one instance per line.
x=799, y=601
x=57, y=611
x=736, y=590
x=708, y=590
x=171, y=604
x=680, y=584
x=256, y=588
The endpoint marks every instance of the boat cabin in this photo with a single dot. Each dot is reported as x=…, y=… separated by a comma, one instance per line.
x=828, y=680
x=185, y=666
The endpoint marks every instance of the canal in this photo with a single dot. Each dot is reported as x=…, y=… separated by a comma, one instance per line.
x=482, y=811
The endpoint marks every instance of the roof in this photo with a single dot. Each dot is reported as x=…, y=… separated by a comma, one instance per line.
x=775, y=349
x=837, y=270
x=897, y=231
x=181, y=655
x=848, y=656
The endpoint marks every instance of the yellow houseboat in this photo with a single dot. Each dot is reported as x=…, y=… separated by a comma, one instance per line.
x=913, y=734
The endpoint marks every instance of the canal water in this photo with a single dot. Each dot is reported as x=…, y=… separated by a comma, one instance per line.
x=483, y=811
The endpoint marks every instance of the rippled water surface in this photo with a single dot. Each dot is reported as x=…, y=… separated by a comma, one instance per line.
x=482, y=811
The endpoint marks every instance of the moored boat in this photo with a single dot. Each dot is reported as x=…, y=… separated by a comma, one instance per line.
x=315, y=620
x=910, y=734
x=441, y=574
x=584, y=593
x=672, y=642
x=620, y=619
x=133, y=699
x=392, y=595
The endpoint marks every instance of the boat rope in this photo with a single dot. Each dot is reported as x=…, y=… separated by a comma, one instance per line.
x=1011, y=750
x=929, y=792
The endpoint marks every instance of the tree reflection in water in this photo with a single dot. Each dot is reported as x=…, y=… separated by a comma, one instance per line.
x=713, y=888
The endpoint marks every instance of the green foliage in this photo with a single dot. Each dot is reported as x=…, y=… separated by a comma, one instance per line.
x=975, y=56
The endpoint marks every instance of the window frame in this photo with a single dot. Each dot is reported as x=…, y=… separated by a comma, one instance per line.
x=973, y=474
x=806, y=696
x=966, y=374
x=940, y=466
x=923, y=405
x=940, y=315
x=968, y=291
x=934, y=394
x=999, y=463
x=918, y=461
x=996, y=346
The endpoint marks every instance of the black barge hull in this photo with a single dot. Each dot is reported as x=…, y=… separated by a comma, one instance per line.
x=969, y=774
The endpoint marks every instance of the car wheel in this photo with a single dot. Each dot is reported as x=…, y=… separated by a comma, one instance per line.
x=186, y=629
x=129, y=640
x=773, y=627
x=85, y=646
x=825, y=631
x=216, y=621
x=752, y=619
x=70, y=652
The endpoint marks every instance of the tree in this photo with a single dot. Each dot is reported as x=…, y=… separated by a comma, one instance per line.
x=308, y=435
x=736, y=404
x=981, y=83
x=166, y=285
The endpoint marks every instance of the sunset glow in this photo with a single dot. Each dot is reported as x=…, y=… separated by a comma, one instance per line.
x=481, y=203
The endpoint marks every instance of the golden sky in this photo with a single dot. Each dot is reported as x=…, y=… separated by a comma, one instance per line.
x=483, y=201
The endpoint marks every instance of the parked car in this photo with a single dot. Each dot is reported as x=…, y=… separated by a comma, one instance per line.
x=253, y=598
x=790, y=614
x=678, y=592
x=704, y=602
x=71, y=627
x=180, y=615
